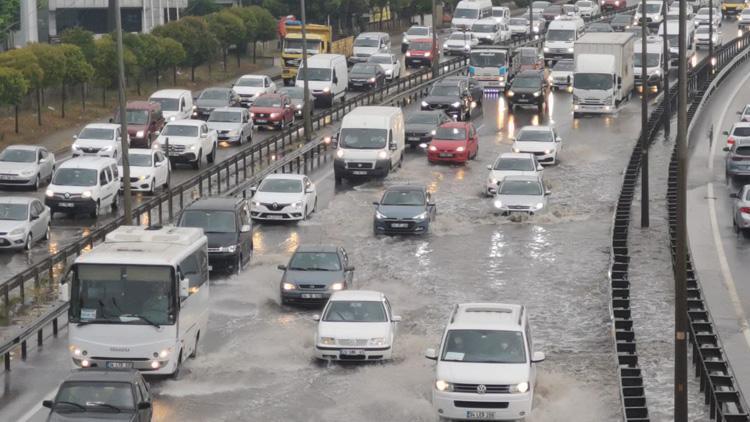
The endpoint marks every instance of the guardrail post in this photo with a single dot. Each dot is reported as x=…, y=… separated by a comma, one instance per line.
x=22, y=290
x=23, y=350
x=170, y=204
x=298, y=164
x=39, y=337
x=6, y=302
x=210, y=189
x=161, y=219
x=7, y=361
x=182, y=198
x=54, y=327
x=200, y=185
x=244, y=167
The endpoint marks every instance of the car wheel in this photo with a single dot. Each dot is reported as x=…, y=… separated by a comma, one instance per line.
x=197, y=163
x=95, y=213
x=212, y=157
x=238, y=264
x=735, y=227
x=304, y=214
x=152, y=189
x=195, y=347
x=37, y=182
x=177, y=371
x=315, y=205
x=337, y=179
x=27, y=245
x=47, y=233
x=115, y=203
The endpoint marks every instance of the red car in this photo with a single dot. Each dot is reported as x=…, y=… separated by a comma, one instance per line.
x=608, y=5
x=421, y=52
x=455, y=142
x=272, y=110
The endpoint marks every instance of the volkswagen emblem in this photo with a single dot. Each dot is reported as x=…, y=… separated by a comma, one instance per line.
x=67, y=195
x=481, y=389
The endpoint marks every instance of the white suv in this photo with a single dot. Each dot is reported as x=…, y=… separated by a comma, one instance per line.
x=188, y=141
x=486, y=364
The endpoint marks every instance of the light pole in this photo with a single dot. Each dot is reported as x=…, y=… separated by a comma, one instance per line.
x=531, y=22
x=306, y=91
x=680, y=308
x=665, y=76
x=644, y=124
x=435, y=60
x=126, y=198
x=711, y=37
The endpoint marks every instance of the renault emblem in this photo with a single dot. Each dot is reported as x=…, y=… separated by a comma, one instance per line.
x=275, y=205
x=67, y=195
x=481, y=388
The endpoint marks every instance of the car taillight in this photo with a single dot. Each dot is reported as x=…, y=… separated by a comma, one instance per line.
x=408, y=54
x=427, y=54
x=739, y=158
x=745, y=210
x=730, y=141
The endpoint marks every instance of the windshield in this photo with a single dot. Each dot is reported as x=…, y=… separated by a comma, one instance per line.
x=520, y=187
x=564, y=65
x=482, y=59
x=741, y=131
x=355, y=311
x=459, y=36
x=417, y=30
x=139, y=160
x=583, y=4
x=420, y=46
x=519, y=21
x=744, y=151
x=422, y=118
x=531, y=135
x=74, y=177
x=403, y=197
x=650, y=8
x=498, y=12
x=652, y=60
x=363, y=69
x=515, y=164
x=18, y=156
x=484, y=346
x=601, y=27
x=227, y=116
x=704, y=11
x=380, y=59
x=296, y=44
x=703, y=29
x=529, y=58
x=253, y=82
x=466, y=13
x=599, y=81
x=314, y=74
x=481, y=27
x=363, y=138
x=622, y=19
x=566, y=35
x=294, y=93
x=315, y=261
x=281, y=186
x=123, y=294
x=167, y=104
x=94, y=396
x=95, y=133
x=13, y=212
x=450, y=133
x=444, y=91
x=539, y=4
x=521, y=82
x=214, y=94
x=180, y=130
x=552, y=10
x=268, y=101
x=366, y=42
x=210, y=221
x=134, y=117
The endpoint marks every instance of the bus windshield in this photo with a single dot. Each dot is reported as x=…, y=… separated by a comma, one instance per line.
x=123, y=294
x=487, y=59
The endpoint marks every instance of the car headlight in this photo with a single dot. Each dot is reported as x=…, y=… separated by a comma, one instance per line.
x=421, y=216
x=445, y=45
x=17, y=231
x=327, y=89
x=141, y=178
x=371, y=80
x=230, y=249
x=337, y=286
x=172, y=118
x=298, y=106
x=519, y=388
x=86, y=194
x=492, y=181
x=570, y=49
x=443, y=385
x=340, y=153
x=539, y=205
x=433, y=132
x=75, y=350
x=274, y=115
x=456, y=104
x=467, y=46
x=252, y=114
x=382, y=155
x=427, y=54
x=432, y=148
x=155, y=145
x=546, y=49
x=548, y=151
x=297, y=204
x=193, y=147
x=516, y=149
x=139, y=134
x=327, y=340
x=387, y=72
x=501, y=78
x=538, y=93
x=498, y=204
x=424, y=104
x=49, y=193
x=511, y=93
x=288, y=286
x=164, y=353
x=459, y=149
x=26, y=172
x=379, y=215
x=75, y=147
x=195, y=107
x=105, y=149
x=377, y=341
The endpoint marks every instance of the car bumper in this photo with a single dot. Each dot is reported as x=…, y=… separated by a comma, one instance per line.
x=593, y=109
x=72, y=204
x=201, y=114
x=227, y=138
x=418, y=138
x=220, y=260
x=379, y=168
x=358, y=59
x=12, y=242
x=558, y=56
x=283, y=215
x=494, y=83
x=737, y=170
x=348, y=354
x=448, y=157
x=166, y=366
x=109, y=154
x=139, y=142
x=311, y=297
x=386, y=226
x=418, y=60
x=247, y=101
x=361, y=85
x=455, y=112
x=497, y=406
x=187, y=157
x=139, y=186
x=267, y=121
x=17, y=181
x=456, y=51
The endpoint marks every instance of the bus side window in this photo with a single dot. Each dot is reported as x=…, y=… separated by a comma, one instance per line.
x=195, y=268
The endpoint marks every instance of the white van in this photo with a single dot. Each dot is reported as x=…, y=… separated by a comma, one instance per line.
x=84, y=184
x=176, y=104
x=560, y=39
x=329, y=78
x=370, y=142
x=501, y=14
x=368, y=43
x=469, y=11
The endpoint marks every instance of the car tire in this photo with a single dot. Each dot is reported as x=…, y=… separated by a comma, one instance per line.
x=238, y=264
x=47, y=233
x=315, y=205
x=95, y=213
x=28, y=244
x=115, y=203
x=178, y=370
x=735, y=227
x=197, y=163
x=337, y=179
x=152, y=189
x=212, y=157
x=37, y=182
x=195, y=347
x=304, y=214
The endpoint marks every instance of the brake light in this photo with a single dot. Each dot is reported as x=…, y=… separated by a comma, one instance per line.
x=408, y=54
x=427, y=54
x=730, y=141
x=745, y=210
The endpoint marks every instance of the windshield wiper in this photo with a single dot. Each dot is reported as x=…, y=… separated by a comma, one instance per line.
x=142, y=318
x=97, y=321
x=70, y=403
x=298, y=269
x=107, y=405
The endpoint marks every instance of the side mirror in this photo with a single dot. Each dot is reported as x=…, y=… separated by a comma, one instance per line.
x=144, y=405
x=204, y=135
x=376, y=203
x=335, y=80
x=42, y=160
x=309, y=190
x=349, y=268
x=281, y=267
x=48, y=404
x=396, y=318
x=547, y=192
x=253, y=189
x=558, y=139
x=725, y=133
x=245, y=228
x=539, y=167
x=489, y=168
x=111, y=120
x=734, y=195
x=739, y=113
x=430, y=354
x=75, y=136
x=726, y=149
x=184, y=288
x=157, y=132
x=316, y=317
x=538, y=357
x=392, y=146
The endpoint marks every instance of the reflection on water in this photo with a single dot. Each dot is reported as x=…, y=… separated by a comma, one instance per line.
x=258, y=244
x=460, y=174
x=423, y=254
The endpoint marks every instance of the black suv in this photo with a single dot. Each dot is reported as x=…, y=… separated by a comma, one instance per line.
x=527, y=89
x=452, y=96
x=227, y=224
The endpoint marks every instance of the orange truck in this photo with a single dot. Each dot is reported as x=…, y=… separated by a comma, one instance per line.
x=319, y=40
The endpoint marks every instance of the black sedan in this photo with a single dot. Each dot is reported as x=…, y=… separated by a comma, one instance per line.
x=366, y=76
x=297, y=95
x=406, y=209
x=621, y=22
x=421, y=125
x=527, y=89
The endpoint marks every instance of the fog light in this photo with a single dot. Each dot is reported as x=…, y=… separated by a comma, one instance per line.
x=155, y=364
x=85, y=363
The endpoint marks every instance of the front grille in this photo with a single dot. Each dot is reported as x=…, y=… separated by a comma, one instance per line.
x=389, y=224
x=539, y=153
x=120, y=359
x=275, y=206
x=292, y=62
x=176, y=149
x=4, y=242
x=134, y=179
x=415, y=134
x=558, y=50
x=312, y=286
x=69, y=196
x=351, y=342
x=262, y=115
x=359, y=165
x=438, y=106
x=362, y=55
x=491, y=388
x=518, y=207
x=481, y=404
x=90, y=150
x=592, y=102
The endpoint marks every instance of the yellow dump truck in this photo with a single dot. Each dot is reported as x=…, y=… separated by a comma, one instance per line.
x=732, y=7
x=319, y=40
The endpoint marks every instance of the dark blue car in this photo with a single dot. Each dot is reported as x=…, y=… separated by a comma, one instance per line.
x=404, y=209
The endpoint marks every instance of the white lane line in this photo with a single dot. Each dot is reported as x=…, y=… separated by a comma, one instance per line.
x=721, y=122
x=34, y=410
x=726, y=272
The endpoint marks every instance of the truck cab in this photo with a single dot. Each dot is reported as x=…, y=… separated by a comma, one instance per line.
x=654, y=65
x=319, y=40
x=732, y=7
x=492, y=67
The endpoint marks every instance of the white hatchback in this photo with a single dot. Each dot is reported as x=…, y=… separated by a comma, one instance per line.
x=149, y=169
x=357, y=325
x=390, y=64
x=284, y=197
x=98, y=139
x=511, y=164
x=542, y=141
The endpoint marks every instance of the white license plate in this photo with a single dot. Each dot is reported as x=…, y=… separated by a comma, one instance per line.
x=173, y=154
x=261, y=121
x=67, y=204
x=7, y=177
x=399, y=225
x=352, y=352
x=446, y=155
x=479, y=414
x=359, y=173
x=357, y=83
x=413, y=138
x=274, y=217
x=312, y=296
x=119, y=365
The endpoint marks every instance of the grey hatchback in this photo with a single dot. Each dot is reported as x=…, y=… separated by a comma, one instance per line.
x=314, y=272
x=404, y=209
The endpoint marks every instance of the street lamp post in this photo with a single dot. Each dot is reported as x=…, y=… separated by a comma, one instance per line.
x=126, y=198
x=306, y=91
x=644, y=125
x=665, y=76
x=711, y=37
x=435, y=60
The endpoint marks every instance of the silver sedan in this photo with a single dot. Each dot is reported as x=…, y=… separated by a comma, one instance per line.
x=741, y=211
x=23, y=221
x=26, y=165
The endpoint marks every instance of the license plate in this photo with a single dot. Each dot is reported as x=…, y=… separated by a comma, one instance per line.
x=7, y=177
x=119, y=365
x=261, y=121
x=352, y=352
x=413, y=138
x=357, y=83
x=399, y=225
x=446, y=155
x=359, y=173
x=312, y=296
x=274, y=217
x=67, y=204
x=173, y=154
x=479, y=414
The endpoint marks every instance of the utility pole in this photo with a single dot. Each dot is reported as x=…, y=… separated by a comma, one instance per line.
x=665, y=76
x=306, y=108
x=680, y=303
x=711, y=38
x=126, y=198
x=644, y=124
x=435, y=60
x=531, y=22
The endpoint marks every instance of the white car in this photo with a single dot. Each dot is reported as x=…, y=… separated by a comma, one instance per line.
x=149, y=169
x=744, y=114
x=519, y=27
x=84, y=184
x=356, y=325
x=189, y=141
x=488, y=31
x=486, y=366
x=704, y=16
x=415, y=33
x=520, y=195
x=390, y=64
x=702, y=37
x=587, y=8
x=460, y=43
x=99, y=140
x=26, y=165
x=542, y=141
x=23, y=221
x=284, y=197
x=249, y=87
x=511, y=164
x=232, y=124
x=561, y=75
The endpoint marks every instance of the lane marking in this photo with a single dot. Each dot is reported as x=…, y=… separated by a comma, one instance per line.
x=721, y=122
x=726, y=272
x=34, y=410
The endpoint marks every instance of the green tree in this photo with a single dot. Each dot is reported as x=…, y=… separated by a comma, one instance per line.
x=52, y=63
x=105, y=64
x=82, y=38
x=136, y=44
x=76, y=71
x=261, y=28
x=228, y=29
x=192, y=32
x=24, y=61
x=201, y=7
x=13, y=87
x=172, y=54
x=276, y=8
x=10, y=14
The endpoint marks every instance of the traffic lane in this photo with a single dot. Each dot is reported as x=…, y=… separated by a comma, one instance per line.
x=471, y=255
x=720, y=256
